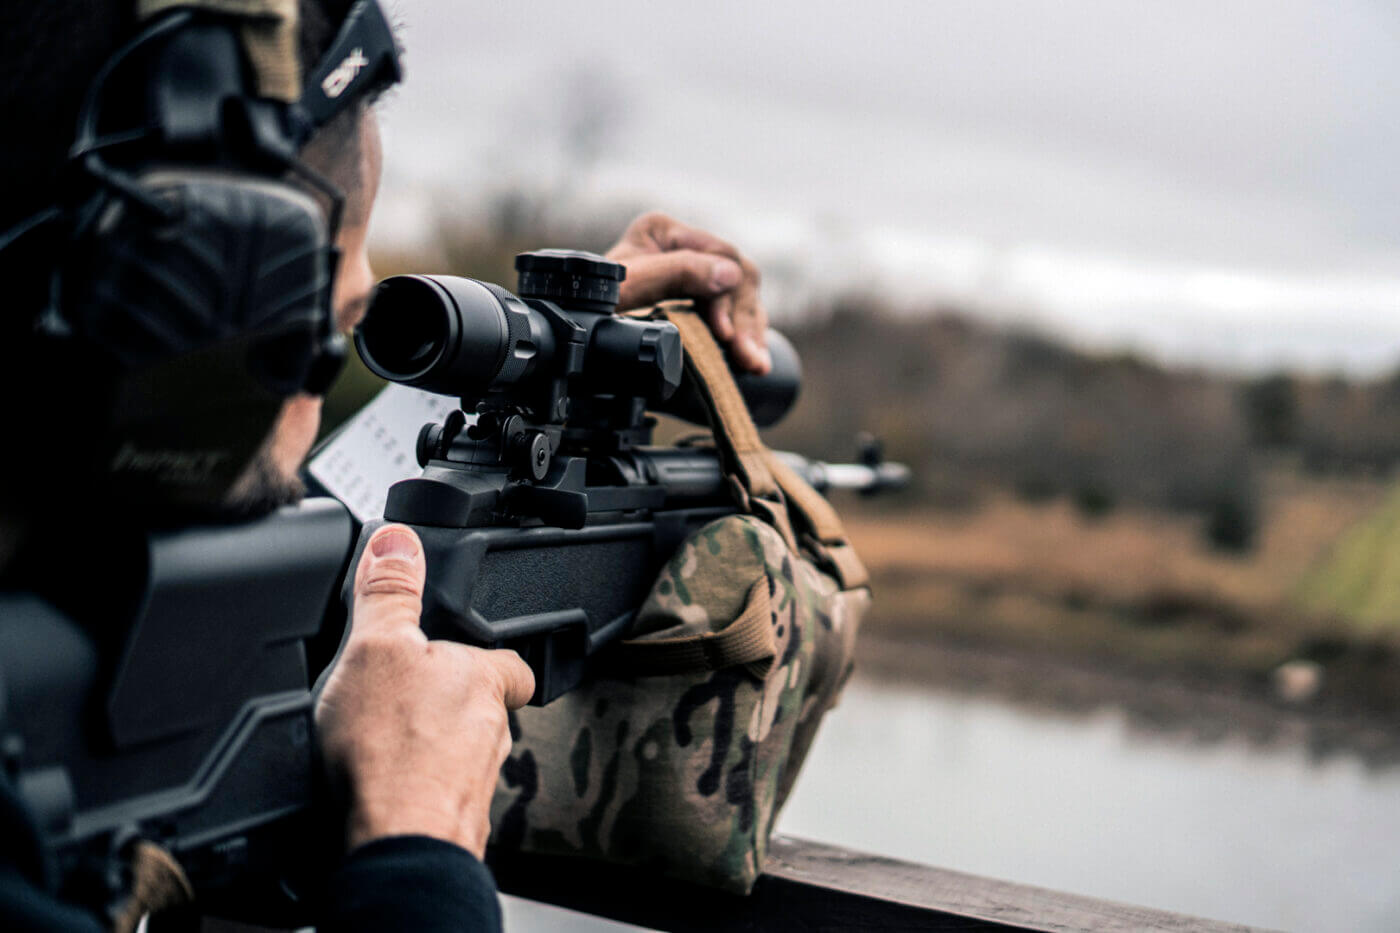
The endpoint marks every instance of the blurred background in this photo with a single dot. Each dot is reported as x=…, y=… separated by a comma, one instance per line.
x=1121, y=283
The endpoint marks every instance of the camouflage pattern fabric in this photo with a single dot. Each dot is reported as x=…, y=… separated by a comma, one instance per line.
x=684, y=774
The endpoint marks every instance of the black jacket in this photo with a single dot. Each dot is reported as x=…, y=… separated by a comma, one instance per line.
x=400, y=883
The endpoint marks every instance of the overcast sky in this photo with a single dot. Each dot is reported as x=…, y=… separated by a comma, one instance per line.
x=1209, y=181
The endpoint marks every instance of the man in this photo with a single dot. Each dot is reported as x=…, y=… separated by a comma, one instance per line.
x=413, y=730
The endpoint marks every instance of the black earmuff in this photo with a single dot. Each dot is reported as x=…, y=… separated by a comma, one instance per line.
x=194, y=281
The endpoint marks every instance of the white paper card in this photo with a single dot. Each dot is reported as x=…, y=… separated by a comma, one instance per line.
x=375, y=448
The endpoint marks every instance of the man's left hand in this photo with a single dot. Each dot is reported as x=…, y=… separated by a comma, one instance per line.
x=667, y=259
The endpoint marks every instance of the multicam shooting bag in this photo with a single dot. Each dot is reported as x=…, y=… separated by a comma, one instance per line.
x=679, y=759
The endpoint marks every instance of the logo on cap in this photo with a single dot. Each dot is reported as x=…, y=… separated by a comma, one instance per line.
x=335, y=83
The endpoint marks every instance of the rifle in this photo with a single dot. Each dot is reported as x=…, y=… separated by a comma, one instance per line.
x=544, y=514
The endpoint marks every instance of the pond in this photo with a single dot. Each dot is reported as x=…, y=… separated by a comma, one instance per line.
x=1087, y=804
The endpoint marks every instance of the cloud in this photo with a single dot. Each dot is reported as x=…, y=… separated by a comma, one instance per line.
x=1253, y=137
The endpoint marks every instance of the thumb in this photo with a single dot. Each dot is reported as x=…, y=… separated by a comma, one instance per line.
x=389, y=581
x=653, y=277
x=517, y=680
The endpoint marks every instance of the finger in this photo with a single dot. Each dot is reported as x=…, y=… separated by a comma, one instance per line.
x=751, y=356
x=516, y=679
x=658, y=231
x=680, y=274
x=749, y=347
x=719, y=315
x=642, y=231
x=389, y=581
x=637, y=238
x=670, y=234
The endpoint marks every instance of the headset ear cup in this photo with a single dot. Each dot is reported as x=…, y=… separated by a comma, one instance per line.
x=183, y=431
x=212, y=316
x=240, y=256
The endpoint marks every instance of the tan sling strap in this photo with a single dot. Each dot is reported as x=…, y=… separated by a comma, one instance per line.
x=735, y=433
x=269, y=38
x=747, y=640
x=768, y=482
x=157, y=883
x=729, y=415
x=823, y=524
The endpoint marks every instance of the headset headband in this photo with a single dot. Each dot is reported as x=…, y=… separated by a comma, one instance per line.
x=363, y=58
x=269, y=33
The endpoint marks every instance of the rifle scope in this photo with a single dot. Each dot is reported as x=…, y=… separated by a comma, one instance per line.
x=475, y=340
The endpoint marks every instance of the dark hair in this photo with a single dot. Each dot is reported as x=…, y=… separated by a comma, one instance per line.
x=49, y=52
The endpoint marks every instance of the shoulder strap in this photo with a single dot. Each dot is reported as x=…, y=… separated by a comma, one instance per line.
x=768, y=487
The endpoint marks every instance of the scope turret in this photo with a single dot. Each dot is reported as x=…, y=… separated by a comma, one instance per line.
x=575, y=279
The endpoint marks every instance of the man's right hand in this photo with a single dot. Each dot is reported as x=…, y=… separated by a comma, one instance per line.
x=415, y=729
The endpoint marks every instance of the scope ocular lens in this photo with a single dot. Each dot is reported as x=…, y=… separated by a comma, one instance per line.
x=406, y=329
x=442, y=333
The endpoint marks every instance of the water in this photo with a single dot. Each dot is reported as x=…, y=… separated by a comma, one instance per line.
x=1229, y=831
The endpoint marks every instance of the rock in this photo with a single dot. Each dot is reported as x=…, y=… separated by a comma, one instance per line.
x=1297, y=681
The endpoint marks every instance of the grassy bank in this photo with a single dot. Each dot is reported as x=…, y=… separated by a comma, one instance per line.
x=1139, y=590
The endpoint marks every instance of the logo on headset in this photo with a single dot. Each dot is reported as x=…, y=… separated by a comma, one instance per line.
x=168, y=465
x=335, y=83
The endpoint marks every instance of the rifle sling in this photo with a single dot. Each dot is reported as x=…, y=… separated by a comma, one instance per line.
x=773, y=489
x=157, y=883
x=733, y=427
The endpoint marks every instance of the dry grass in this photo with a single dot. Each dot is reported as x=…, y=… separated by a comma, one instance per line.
x=1137, y=585
x=1054, y=550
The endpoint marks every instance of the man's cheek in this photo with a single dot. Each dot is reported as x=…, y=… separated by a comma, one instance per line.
x=295, y=433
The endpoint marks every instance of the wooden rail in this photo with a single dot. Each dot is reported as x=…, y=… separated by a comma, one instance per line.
x=810, y=886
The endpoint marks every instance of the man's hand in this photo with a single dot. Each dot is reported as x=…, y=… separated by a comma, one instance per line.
x=415, y=729
x=666, y=259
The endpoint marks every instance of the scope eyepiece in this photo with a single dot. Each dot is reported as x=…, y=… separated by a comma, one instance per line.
x=471, y=339
x=451, y=335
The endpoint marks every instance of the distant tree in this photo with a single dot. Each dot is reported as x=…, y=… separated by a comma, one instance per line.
x=1271, y=410
x=1232, y=520
x=1093, y=500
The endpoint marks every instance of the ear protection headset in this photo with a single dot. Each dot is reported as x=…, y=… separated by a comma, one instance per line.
x=192, y=284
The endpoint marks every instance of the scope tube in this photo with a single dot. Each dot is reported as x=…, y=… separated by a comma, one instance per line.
x=469, y=339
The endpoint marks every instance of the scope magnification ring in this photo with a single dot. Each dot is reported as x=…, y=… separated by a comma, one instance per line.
x=518, y=337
